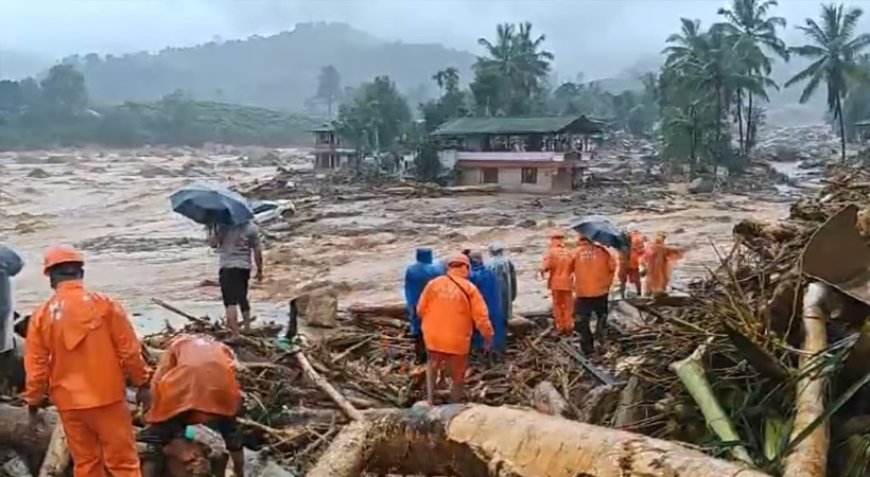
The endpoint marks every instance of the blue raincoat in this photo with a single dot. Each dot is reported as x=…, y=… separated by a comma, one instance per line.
x=417, y=276
x=485, y=279
x=10, y=265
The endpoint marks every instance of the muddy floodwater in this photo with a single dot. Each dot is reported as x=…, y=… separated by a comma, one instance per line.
x=114, y=205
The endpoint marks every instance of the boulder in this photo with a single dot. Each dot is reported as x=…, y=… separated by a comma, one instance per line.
x=319, y=307
x=702, y=185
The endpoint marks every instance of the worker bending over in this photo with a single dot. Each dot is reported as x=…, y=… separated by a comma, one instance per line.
x=195, y=383
x=629, y=265
x=659, y=261
x=594, y=268
x=558, y=270
x=81, y=348
x=450, y=309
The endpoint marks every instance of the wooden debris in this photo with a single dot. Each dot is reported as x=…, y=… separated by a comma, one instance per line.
x=546, y=399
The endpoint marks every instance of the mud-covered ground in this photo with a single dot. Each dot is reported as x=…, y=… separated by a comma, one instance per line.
x=115, y=206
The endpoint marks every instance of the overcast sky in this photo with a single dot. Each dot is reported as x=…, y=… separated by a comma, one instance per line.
x=590, y=35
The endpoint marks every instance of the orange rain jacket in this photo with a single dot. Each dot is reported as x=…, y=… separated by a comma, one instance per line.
x=594, y=267
x=638, y=242
x=559, y=266
x=80, y=344
x=659, y=260
x=196, y=374
x=449, y=309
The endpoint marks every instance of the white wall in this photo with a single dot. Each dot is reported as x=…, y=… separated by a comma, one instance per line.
x=510, y=179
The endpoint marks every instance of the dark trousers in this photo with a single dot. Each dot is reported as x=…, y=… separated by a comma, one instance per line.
x=584, y=308
x=234, y=287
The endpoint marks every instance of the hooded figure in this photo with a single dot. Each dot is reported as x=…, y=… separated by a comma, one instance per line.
x=659, y=260
x=417, y=276
x=485, y=279
x=507, y=278
x=10, y=265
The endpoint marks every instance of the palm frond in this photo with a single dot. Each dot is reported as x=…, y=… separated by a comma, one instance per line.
x=815, y=70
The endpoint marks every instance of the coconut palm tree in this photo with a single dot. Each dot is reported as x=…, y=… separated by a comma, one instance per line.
x=835, y=50
x=517, y=58
x=749, y=20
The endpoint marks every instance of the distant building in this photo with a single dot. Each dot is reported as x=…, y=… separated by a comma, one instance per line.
x=328, y=151
x=863, y=129
x=523, y=154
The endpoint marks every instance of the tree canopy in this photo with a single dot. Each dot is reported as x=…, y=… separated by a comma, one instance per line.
x=835, y=51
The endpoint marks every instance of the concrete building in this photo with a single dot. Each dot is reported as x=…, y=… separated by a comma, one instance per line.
x=522, y=154
x=328, y=151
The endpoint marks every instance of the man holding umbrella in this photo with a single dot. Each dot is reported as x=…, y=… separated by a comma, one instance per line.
x=237, y=246
x=594, y=268
x=229, y=221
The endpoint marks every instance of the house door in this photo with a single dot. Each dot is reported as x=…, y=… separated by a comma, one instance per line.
x=490, y=175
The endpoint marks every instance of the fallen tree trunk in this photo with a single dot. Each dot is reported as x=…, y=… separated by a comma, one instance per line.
x=547, y=399
x=809, y=458
x=57, y=459
x=392, y=310
x=628, y=412
x=484, y=441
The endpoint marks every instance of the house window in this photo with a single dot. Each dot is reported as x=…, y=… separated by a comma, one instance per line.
x=490, y=175
x=530, y=175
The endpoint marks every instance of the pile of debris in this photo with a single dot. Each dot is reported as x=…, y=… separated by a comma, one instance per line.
x=763, y=338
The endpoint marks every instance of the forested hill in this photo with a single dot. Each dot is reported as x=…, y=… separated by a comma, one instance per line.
x=279, y=71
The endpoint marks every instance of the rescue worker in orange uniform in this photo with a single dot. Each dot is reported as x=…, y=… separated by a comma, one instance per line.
x=450, y=308
x=594, y=268
x=81, y=348
x=558, y=269
x=629, y=265
x=195, y=383
x=659, y=261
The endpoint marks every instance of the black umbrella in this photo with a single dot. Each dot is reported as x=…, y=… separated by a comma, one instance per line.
x=600, y=230
x=208, y=204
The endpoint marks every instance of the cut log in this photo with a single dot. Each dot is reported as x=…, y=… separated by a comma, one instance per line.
x=57, y=459
x=327, y=387
x=547, y=399
x=628, y=412
x=809, y=458
x=391, y=310
x=483, y=441
x=348, y=453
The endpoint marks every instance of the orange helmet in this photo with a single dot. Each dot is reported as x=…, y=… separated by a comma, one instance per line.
x=61, y=254
x=459, y=259
x=556, y=234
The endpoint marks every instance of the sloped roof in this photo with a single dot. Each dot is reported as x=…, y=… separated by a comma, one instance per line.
x=517, y=125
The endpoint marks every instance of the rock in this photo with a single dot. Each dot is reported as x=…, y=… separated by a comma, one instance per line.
x=319, y=307
x=527, y=224
x=38, y=174
x=701, y=185
x=520, y=325
x=15, y=467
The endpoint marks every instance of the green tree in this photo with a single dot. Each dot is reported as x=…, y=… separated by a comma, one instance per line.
x=513, y=71
x=835, y=51
x=756, y=31
x=447, y=79
x=708, y=68
x=328, y=87
x=63, y=90
x=377, y=117
x=451, y=104
x=427, y=165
